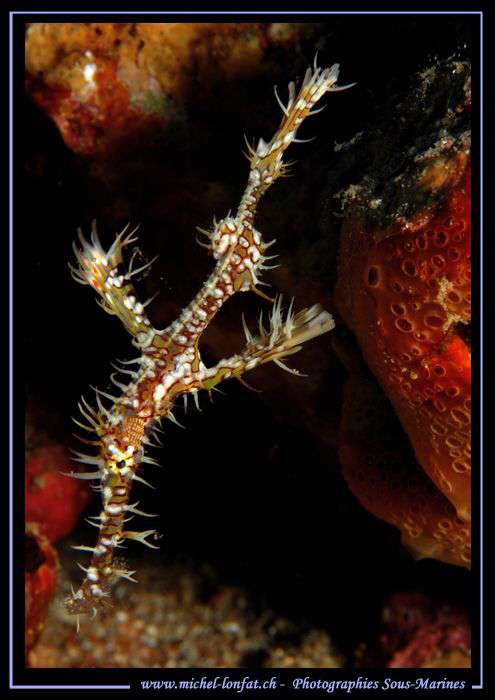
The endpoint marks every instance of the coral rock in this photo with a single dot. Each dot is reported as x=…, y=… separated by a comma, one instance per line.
x=105, y=84
x=53, y=500
x=420, y=634
x=442, y=644
x=40, y=567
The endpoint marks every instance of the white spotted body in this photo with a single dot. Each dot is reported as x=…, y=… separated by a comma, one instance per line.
x=170, y=363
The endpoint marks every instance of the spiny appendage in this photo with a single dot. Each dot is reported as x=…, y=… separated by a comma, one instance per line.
x=118, y=465
x=266, y=159
x=170, y=362
x=283, y=337
x=240, y=251
x=104, y=271
x=121, y=451
x=236, y=245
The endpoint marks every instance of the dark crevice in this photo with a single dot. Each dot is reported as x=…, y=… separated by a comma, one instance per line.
x=34, y=555
x=463, y=330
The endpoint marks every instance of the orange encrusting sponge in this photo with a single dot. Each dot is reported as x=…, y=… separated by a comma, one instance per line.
x=383, y=474
x=406, y=294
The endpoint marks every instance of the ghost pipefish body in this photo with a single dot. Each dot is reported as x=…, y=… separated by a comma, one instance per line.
x=170, y=363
